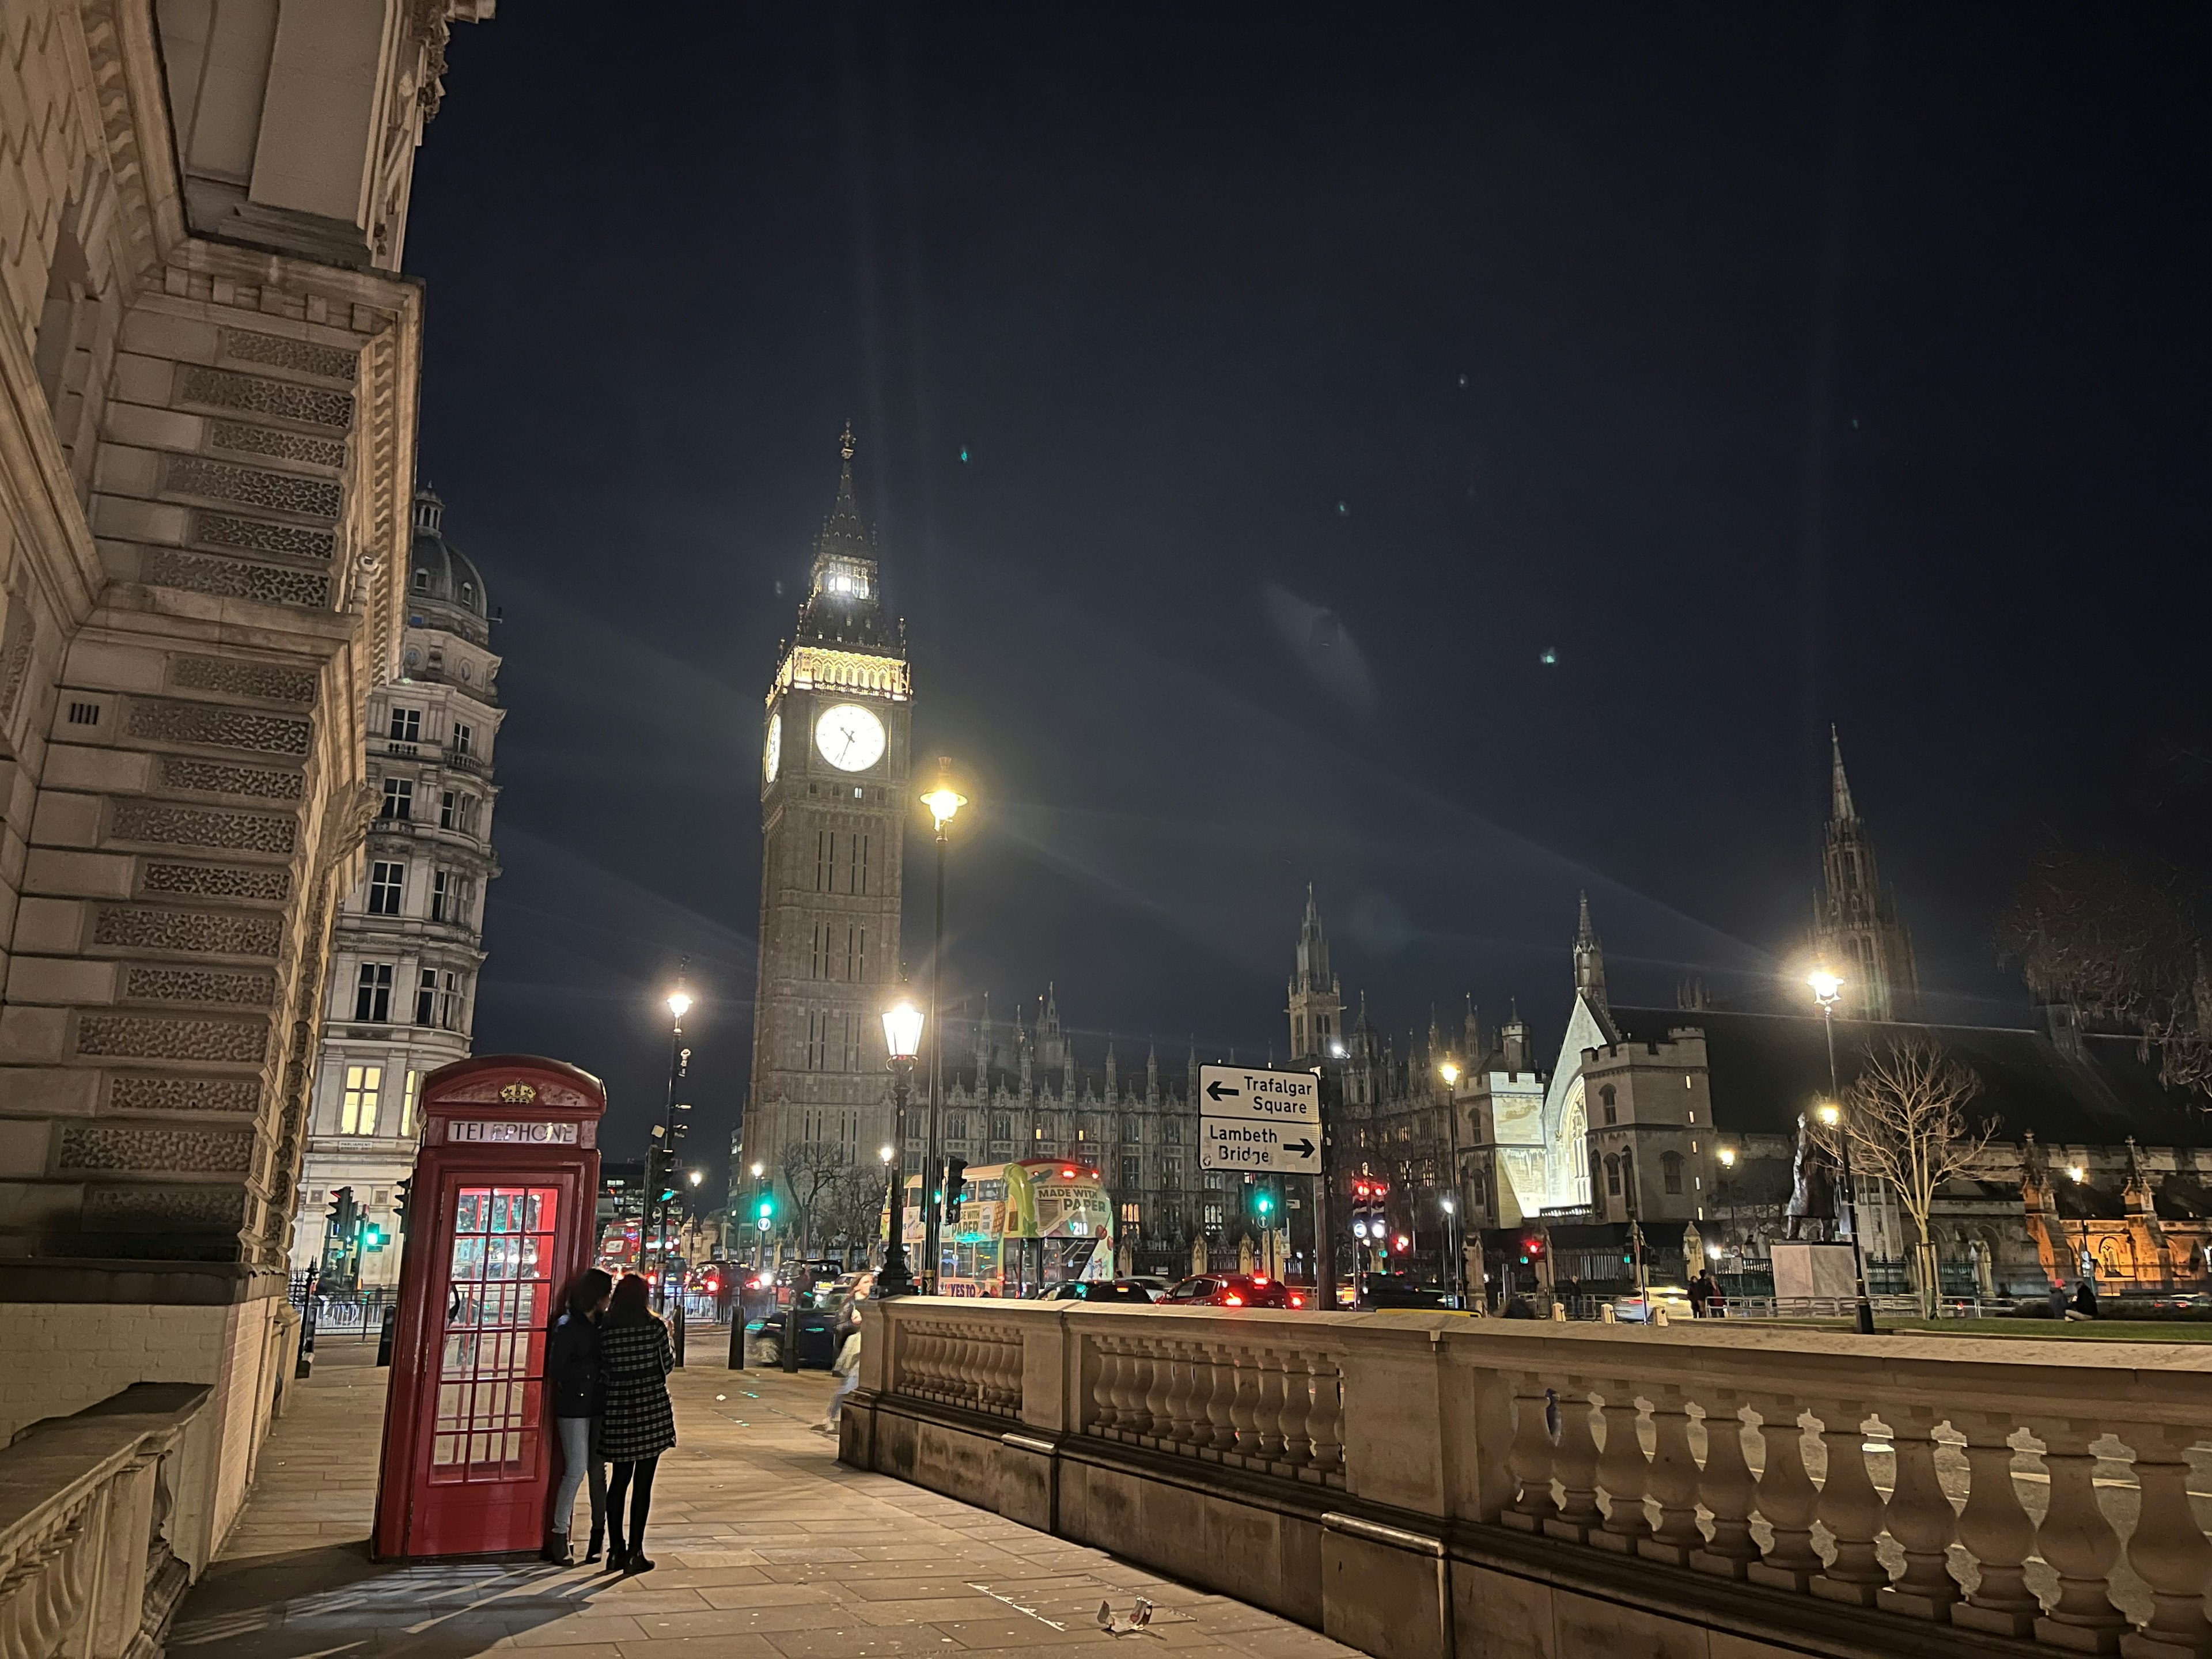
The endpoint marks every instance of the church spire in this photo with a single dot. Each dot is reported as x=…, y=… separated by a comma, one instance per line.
x=1855, y=929
x=1316, y=1005
x=1840, y=787
x=1589, y=971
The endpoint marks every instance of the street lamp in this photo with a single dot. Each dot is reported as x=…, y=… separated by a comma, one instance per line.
x=679, y=1059
x=903, y=1041
x=943, y=802
x=1727, y=1155
x=1450, y=1071
x=1451, y=1249
x=1827, y=987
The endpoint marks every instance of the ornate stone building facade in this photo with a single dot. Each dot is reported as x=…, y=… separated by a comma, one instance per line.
x=210, y=367
x=409, y=938
x=835, y=805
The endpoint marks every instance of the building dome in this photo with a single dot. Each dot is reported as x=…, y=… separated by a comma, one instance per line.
x=443, y=579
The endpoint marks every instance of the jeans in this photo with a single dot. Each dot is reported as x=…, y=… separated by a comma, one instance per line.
x=632, y=1537
x=846, y=1384
x=576, y=1461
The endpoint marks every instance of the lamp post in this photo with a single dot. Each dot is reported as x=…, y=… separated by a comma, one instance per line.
x=679, y=1059
x=1450, y=1071
x=1827, y=987
x=759, y=1237
x=902, y=1038
x=1727, y=1155
x=943, y=802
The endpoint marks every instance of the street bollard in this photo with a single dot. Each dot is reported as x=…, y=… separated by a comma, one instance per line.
x=677, y=1332
x=737, y=1338
x=791, y=1336
x=387, y=1336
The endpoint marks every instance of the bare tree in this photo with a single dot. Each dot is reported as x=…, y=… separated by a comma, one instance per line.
x=809, y=1168
x=853, y=1210
x=2119, y=940
x=1904, y=1118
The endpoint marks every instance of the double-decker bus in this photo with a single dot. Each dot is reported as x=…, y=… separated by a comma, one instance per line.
x=1022, y=1227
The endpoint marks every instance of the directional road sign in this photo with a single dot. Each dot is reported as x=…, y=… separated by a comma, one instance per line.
x=1260, y=1122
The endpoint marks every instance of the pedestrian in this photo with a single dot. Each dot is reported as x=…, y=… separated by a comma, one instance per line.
x=2085, y=1298
x=638, y=1423
x=2059, y=1298
x=847, y=1365
x=572, y=1372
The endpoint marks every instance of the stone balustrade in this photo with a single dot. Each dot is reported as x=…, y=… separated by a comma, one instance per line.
x=90, y=1507
x=1425, y=1483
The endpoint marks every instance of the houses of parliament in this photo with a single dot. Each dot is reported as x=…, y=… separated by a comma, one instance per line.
x=1678, y=1121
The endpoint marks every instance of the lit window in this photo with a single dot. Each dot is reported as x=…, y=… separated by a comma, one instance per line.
x=372, y=996
x=357, y=1105
x=407, y=1103
x=386, y=883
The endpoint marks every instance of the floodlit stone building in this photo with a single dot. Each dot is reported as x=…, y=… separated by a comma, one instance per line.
x=409, y=938
x=211, y=366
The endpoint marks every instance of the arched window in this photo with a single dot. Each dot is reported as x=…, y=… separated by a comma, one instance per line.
x=1612, y=1176
x=1628, y=1180
x=1670, y=1169
x=1611, y=1112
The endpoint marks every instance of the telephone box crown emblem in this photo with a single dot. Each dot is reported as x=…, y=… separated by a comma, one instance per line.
x=518, y=1093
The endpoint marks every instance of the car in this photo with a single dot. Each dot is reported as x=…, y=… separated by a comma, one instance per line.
x=1673, y=1300
x=1384, y=1289
x=1099, y=1291
x=1158, y=1284
x=817, y=1338
x=1234, y=1290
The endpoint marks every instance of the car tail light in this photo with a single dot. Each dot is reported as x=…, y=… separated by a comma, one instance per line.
x=1296, y=1301
x=1232, y=1300
x=1259, y=1278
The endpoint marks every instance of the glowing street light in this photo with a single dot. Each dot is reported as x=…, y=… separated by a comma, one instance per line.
x=697, y=1175
x=1829, y=1113
x=886, y=1154
x=679, y=1002
x=1728, y=1157
x=1449, y=1073
x=1826, y=986
x=903, y=1023
x=943, y=802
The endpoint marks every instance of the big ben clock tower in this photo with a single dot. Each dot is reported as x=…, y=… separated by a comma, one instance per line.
x=833, y=765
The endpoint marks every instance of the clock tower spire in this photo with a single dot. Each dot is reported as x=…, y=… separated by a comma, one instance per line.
x=834, y=807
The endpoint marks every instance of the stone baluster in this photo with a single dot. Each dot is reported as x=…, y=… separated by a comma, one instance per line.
x=2077, y=1540
x=969, y=1367
x=1575, y=1463
x=913, y=1354
x=1245, y=1403
x=1787, y=1498
x=1101, y=1413
x=1184, y=1408
x=1995, y=1529
x=1298, y=1411
x=1159, y=1387
x=1529, y=1456
x=1003, y=1378
x=1850, y=1509
x=2168, y=1549
x=1128, y=1390
x=1728, y=1492
x=1325, y=1421
x=1920, y=1517
x=1622, y=1472
x=1673, y=1482
x=1267, y=1408
x=1218, y=1431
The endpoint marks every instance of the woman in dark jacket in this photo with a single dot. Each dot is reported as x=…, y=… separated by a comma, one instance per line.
x=639, y=1422
x=572, y=1376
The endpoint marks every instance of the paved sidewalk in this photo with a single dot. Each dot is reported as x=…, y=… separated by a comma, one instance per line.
x=767, y=1548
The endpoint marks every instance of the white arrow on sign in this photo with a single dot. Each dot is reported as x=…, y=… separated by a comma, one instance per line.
x=1254, y=1096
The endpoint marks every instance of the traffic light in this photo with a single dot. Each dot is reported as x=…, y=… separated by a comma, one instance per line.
x=372, y=1236
x=1263, y=1205
x=344, y=1214
x=955, y=1184
x=764, y=1218
x=405, y=1194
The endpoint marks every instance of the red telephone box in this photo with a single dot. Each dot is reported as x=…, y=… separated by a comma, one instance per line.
x=499, y=1222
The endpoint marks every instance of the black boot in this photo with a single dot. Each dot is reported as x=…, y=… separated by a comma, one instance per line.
x=635, y=1560
x=599, y=1542
x=556, y=1550
x=616, y=1554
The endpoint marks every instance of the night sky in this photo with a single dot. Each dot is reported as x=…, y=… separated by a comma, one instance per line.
x=1450, y=458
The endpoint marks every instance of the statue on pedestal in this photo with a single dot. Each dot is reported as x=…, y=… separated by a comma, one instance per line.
x=1813, y=1194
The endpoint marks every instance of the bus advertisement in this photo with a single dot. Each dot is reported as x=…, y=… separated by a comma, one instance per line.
x=1022, y=1227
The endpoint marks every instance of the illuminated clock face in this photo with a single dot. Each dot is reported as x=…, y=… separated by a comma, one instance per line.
x=772, y=757
x=849, y=737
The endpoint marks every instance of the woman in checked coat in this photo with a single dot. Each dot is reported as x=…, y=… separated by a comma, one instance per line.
x=638, y=1423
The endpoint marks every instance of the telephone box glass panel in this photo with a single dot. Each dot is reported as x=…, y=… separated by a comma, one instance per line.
x=491, y=1379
